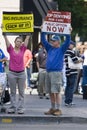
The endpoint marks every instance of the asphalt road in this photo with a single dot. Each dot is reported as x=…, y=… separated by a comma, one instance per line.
x=61, y=126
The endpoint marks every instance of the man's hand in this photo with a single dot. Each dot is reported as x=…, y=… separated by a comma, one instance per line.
x=70, y=29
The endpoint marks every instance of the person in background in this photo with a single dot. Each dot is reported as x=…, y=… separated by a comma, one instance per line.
x=84, y=73
x=41, y=65
x=71, y=75
x=27, y=65
x=35, y=54
x=16, y=75
x=3, y=59
x=64, y=76
x=79, y=50
x=54, y=66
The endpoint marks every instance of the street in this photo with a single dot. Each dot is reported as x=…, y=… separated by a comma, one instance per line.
x=60, y=126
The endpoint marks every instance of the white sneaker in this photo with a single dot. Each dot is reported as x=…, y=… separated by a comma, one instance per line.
x=20, y=111
x=11, y=110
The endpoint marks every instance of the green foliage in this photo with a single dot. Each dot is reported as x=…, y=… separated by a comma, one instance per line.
x=78, y=9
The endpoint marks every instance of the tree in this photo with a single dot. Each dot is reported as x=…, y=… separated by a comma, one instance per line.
x=78, y=9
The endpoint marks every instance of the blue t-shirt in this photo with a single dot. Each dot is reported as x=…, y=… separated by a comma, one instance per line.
x=55, y=56
x=1, y=64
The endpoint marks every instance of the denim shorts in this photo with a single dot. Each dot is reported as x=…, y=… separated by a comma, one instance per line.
x=54, y=82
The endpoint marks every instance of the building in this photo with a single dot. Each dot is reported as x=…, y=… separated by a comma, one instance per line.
x=38, y=7
x=6, y=5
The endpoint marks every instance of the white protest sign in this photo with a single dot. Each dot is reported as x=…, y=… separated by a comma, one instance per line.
x=57, y=22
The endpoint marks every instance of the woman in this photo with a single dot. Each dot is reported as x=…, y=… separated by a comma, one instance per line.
x=16, y=75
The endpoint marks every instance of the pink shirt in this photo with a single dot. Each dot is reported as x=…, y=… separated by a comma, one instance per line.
x=16, y=59
x=27, y=58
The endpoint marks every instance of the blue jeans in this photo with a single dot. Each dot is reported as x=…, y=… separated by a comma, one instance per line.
x=84, y=79
x=70, y=88
x=28, y=76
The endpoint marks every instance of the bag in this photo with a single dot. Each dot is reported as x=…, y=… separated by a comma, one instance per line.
x=6, y=97
x=73, y=65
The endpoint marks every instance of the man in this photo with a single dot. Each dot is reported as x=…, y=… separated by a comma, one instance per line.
x=54, y=66
x=41, y=65
x=71, y=75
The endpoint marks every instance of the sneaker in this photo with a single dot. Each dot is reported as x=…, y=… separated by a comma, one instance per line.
x=20, y=111
x=69, y=104
x=66, y=104
x=57, y=112
x=41, y=97
x=47, y=96
x=11, y=110
x=50, y=112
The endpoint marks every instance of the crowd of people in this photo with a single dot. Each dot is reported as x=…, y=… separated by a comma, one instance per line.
x=53, y=71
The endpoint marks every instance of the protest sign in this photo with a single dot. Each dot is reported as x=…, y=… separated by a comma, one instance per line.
x=17, y=23
x=57, y=22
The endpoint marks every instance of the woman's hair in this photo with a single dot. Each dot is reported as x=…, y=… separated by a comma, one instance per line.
x=18, y=38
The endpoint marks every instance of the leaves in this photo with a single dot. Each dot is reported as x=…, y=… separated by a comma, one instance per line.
x=78, y=9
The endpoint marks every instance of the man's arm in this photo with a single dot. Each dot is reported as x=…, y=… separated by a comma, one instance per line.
x=37, y=63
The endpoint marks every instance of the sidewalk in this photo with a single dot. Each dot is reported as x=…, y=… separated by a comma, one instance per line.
x=35, y=108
